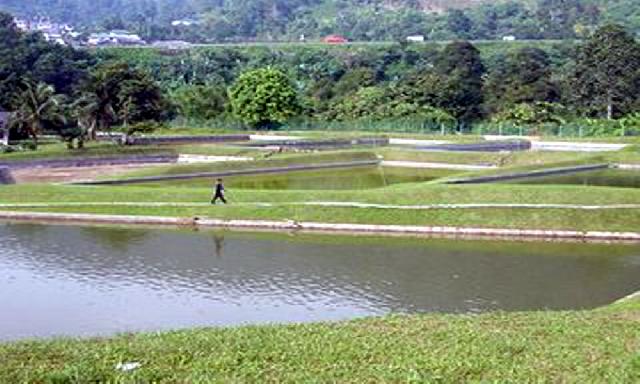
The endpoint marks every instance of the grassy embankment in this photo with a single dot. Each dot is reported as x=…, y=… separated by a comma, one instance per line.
x=577, y=347
x=287, y=203
x=284, y=204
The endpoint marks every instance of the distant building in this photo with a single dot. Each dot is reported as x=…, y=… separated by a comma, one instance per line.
x=53, y=32
x=4, y=128
x=509, y=38
x=335, y=39
x=171, y=44
x=21, y=24
x=415, y=39
x=184, y=23
x=116, y=37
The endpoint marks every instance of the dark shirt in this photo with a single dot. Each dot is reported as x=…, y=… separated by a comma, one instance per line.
x=219, y=188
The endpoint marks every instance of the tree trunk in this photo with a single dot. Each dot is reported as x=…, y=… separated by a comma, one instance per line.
x=609, y=111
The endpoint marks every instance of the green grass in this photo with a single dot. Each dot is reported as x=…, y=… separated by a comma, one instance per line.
x=330, y=179
x=573, y=347
x=59, y=150
x=401, y=194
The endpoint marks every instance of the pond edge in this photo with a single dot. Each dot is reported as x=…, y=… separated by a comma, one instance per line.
x=290, y=225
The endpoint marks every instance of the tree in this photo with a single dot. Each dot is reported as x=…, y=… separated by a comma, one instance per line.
x=458, y=81
x=36, y=107
x=606, y=78
x=522, y=77
x=459, y=23
x=204, y=102
x=119, y=94
x=264, y=97
x=532, y=113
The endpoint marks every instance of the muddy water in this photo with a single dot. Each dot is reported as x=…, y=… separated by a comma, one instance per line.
x=58, y=280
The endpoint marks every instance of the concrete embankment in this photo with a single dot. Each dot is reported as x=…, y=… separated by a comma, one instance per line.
x=324, y=144
x=529, y=174
x=255, y=171
x=561, y=146
x=182, y=139
x=497, y=146
x=494, y=233
x=422, y=165
x=91, y=161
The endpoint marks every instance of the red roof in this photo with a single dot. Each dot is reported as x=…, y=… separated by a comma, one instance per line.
x=335, y=39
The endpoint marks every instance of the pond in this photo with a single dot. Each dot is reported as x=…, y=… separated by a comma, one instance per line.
x=83, y=281
x=331, y=179
x=603, y=178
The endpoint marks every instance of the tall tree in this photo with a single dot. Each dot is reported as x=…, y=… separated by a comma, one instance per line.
x=524, y=76
x=460, y=71
x=117, y=93
x=606, y=77
x=36, y=107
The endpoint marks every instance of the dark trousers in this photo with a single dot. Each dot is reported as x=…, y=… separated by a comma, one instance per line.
x=218, y=196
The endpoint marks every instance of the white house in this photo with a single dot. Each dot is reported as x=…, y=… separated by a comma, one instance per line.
x=415, y=39
x=509, y=38
x=184, y=22
x=116, y=37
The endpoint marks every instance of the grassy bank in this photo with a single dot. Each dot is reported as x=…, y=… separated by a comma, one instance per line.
x=284, y=207
x=574, y=347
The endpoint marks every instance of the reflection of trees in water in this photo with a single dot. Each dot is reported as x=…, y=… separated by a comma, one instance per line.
x=30, y=229
x=118, y=239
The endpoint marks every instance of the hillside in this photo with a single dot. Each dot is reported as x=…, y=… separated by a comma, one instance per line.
x=361, y=20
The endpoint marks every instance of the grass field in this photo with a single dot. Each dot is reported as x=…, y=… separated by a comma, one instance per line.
x=574, y=347
x=284, y=208
x=597, y=346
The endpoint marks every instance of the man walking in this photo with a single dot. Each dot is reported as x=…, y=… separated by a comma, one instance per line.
x=218, y=192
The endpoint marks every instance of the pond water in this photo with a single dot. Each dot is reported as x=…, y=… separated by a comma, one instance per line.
x=604, y=178
x=331, y=179
x=57, y=280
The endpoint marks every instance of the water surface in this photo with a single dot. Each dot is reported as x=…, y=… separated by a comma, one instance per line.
x=57, y=280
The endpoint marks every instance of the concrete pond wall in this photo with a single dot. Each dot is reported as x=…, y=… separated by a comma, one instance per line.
x=514, y=145
x=529, y=174
x=72, y=162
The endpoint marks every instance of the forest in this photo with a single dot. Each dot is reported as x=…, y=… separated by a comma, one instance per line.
x=358, y=20
x=581, y=88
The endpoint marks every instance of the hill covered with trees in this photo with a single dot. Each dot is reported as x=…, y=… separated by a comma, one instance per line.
x=365, y=20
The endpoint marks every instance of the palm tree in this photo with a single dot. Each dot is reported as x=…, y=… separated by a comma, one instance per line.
x=37, y=105
x=86, y=111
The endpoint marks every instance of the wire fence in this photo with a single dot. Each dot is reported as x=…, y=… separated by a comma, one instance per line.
x=416, y=125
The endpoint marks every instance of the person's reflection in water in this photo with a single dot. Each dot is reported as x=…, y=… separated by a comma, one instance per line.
x=219, y=243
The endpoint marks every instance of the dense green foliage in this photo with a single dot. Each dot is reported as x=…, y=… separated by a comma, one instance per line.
x=59, y=89
x=266, y=20
x=526, y=87
x=263, y=98
x=30, y=57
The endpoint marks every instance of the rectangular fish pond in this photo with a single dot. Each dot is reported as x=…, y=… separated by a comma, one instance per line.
x=329, y=179
x=87, y=281
x=612, y=177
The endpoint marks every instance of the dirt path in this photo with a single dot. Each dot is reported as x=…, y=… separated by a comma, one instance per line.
x=73, y=174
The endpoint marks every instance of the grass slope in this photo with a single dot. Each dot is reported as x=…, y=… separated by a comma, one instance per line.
x=404, y=194
x=564, y=347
